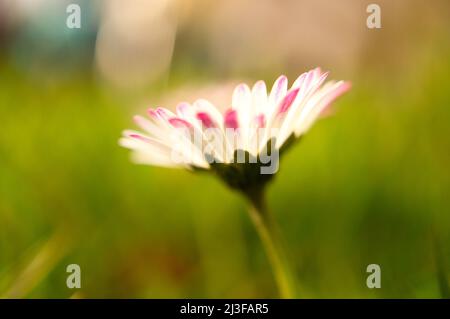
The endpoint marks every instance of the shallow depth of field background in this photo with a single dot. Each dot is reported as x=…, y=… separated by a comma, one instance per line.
x=370, y=184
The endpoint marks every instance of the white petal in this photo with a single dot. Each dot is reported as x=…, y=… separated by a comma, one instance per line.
x=309, y=83
x=148, y=153
x=279, y=90
x=318, y=103
x=150, y=159
x=203, y=105
x=242, y=102
x=150, y=127
x=259, y=98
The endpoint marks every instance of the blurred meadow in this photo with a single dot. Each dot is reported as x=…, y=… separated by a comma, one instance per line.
x=368, y=185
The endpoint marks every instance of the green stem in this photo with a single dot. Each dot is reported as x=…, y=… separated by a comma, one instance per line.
x=266, y=230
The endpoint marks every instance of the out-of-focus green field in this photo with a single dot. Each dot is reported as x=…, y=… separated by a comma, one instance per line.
x=370, y=184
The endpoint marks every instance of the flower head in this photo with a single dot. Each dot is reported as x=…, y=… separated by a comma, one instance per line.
x=243, y=143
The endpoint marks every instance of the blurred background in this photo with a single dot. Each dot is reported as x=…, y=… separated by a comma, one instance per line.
x=369, y=185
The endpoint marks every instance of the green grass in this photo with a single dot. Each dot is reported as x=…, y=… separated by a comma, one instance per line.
x=368, y=185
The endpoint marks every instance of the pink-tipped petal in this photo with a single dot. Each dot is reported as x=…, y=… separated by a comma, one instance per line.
x=205, y=119
x=182, y=108
x=150, y=127
x=207, y=107
x=318, y=104
x=179, y=123
x=163, y=114
x=279, y=89
x=152, y=113
x=242, y=98
x=231, y=119
x=299, y=81
x=140, y=137
x=340, y=88
x=311, y=76
x=309, y=80
x=287, y=101
x=323, y=76
x=332, y=96
x=160, y=113
x=139, y=120
x=260, y=121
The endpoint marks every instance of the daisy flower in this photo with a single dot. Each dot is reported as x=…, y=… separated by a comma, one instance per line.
x=254, y=119
x=241, y=145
